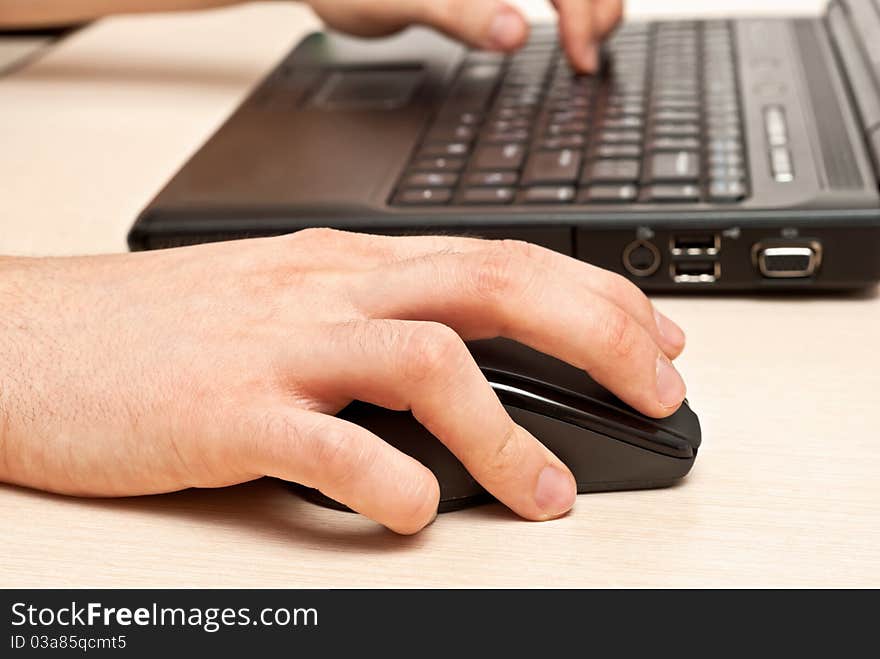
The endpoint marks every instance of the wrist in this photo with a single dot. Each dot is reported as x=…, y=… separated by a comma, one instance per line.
x=14, y=331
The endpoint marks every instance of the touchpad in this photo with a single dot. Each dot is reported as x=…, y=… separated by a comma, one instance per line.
x=360, y=89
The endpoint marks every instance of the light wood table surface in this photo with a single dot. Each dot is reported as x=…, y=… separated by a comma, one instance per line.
x=786, y=490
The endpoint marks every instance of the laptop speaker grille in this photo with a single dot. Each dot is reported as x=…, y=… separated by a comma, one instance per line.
x=837, y=154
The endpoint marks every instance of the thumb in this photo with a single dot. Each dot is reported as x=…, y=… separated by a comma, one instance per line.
x=487, y=24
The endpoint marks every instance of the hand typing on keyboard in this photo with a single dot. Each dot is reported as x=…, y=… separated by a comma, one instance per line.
x=217, y=364
x=487, y=24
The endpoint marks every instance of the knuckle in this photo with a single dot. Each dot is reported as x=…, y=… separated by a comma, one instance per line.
x=624, y=289
x=336, y=456
x=317, y=236
x=374, y=335
x=430, y=351
x=504, y=270
x=620, y=336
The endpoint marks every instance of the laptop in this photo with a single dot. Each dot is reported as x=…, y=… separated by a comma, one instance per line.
x=706, y=155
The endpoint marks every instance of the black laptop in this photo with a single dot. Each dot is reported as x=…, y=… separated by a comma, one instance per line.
x=722, y=154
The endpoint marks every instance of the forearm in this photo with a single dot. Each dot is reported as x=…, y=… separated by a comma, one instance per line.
x=42, y=13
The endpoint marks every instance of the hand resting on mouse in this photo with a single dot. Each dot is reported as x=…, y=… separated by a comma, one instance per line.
x=216, y=364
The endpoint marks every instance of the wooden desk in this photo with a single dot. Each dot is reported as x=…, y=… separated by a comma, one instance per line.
x=785, y=491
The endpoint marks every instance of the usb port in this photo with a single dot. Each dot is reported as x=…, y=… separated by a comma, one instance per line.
x=695, y=244
x=695, y=272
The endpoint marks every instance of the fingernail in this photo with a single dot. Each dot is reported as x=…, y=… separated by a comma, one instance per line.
x=591, y=58
x=671, y=332
x=555, y=491
x=670, y=386
x=506, y=29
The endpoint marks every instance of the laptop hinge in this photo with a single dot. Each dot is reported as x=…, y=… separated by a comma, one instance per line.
x=854, y=27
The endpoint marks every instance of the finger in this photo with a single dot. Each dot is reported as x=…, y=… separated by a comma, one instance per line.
x=347, y=463
x=607, y=15
x=425, y=367
x=338, y=249
x=569, y=273
x=488, y=24
x=576, y=31
x=508, y=290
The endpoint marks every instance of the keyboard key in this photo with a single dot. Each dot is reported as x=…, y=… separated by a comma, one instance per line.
x=673, y=193
x=562, y=142
x=514, y=113
x=569, y=128
x=674, y=144
x=674, y=166
x=501, y=137
x=690, y=104
x=731, y=173
x=487, y=195
x=727, y=132
x=725, y=159
x=549, y=194
x=499, y=156
x=618, y=111
x=552, y=167
x=431, y=180
x=451, y=133
x=623, y=123
x=424, y=196
x=444, y=149
x=500, y=125
x=688, y=90
x=491, y=178
x=780, y=163
x=676, y=116
x=619, y=151
x=518, y=103
x=456, y=117
x=726, y=190
x=620, y=137
x=569, y=115
x=609, y=194
x=676, y=130
x=613, y=171
x=724, y=145
x=439, y=164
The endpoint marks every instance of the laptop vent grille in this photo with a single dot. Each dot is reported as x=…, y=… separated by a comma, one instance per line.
x=837, y=154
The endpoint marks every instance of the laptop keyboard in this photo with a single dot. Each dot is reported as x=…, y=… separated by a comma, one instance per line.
x=660, y=123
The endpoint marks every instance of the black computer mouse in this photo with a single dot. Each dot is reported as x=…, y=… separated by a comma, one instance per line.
x=606, y=444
